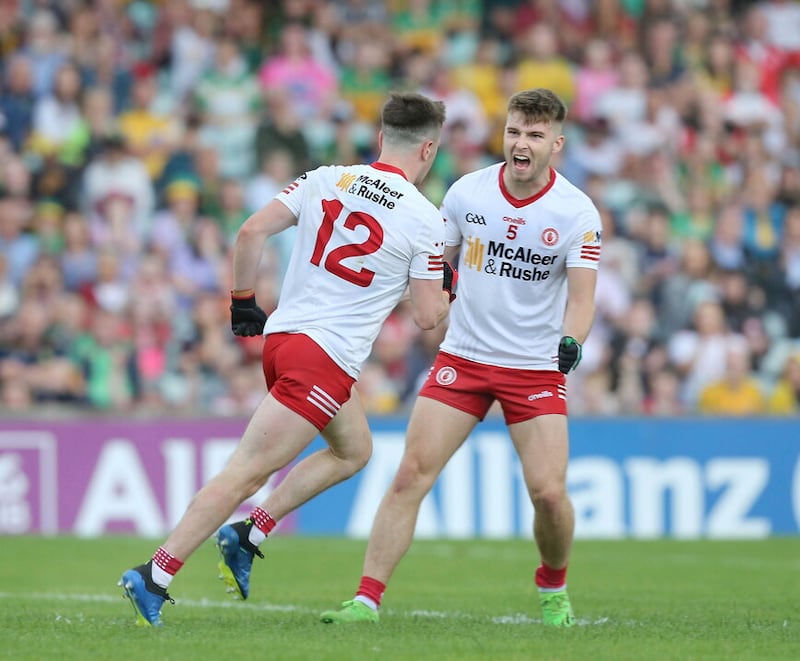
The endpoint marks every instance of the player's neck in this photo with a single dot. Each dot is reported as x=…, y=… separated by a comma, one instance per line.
x=523, y=190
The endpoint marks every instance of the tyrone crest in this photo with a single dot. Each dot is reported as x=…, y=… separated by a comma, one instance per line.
x=446, y=375
x=550, y=236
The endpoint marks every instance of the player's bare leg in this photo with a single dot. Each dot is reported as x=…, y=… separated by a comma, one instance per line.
x=349, y=448
x=274, y=436
x=543, y=447
x=435, y=432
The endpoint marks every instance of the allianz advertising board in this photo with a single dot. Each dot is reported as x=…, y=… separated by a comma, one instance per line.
x=639, y=478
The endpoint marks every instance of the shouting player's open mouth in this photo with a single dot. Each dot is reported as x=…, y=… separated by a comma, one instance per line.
x=521, y=162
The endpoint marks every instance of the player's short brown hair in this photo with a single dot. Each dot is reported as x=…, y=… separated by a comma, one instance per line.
x=538, y=105
x=411, y=118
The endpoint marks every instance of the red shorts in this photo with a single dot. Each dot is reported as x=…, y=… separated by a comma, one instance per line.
x=301, y=376
x=473, y=387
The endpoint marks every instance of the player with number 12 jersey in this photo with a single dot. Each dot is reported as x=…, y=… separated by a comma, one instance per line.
x=358, y=224
x=513, y=266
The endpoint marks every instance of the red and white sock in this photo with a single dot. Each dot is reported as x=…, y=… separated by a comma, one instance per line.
x=549, y=579
x=164, y=567
x=263, y=524
x=370, y=592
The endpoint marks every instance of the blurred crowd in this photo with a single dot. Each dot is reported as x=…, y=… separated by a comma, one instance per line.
x=135, y=138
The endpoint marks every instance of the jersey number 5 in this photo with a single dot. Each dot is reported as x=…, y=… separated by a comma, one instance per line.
x=333, y=262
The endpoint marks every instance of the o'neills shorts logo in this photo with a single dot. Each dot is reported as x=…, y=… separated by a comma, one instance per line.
x=446, y=375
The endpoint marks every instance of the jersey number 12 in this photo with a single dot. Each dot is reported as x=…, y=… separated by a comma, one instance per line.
x=333, y=262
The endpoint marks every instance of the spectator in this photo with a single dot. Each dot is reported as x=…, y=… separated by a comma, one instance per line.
x=736, y=393
x=107, y=361
x=715, y=72
x=663, y=396
x=727, y=241
x=626, y=103
x=279, y=129
x=658, y=260
x=151, y=306
x=365, y=83
x=596, y=75
x=191, y=47
x=785, y=397
x=700, y=353
x=108, y=70
x=9, y=294
x=692, y=284
x=541, y=64
x=594, y=152
x=96, y=125
x=17, y=100
x=310, y=84
x=57, y=182
x=57, y=115
x=45, y=48
x=197, y=265
x=31, y=357
x=19, y=247
x=78, y=257
x=173, y=222
x=277, y=170
x=112, y=175
x=110, y=290
x=416, y=27
x=232, y=210
x=46, y=224
x=754, y=50
x=150, y=133
x=227, y=98
x=463, y=107
x=660, y=49
x=763, y=219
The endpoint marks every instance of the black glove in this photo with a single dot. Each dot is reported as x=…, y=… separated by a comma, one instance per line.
x=569, y=354
x=247, y=319
x=450, y=281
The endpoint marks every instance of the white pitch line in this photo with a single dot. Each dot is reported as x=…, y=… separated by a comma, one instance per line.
x=516, y=618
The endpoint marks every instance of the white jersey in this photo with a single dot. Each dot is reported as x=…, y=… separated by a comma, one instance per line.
x=512, y=286
x=362, y=232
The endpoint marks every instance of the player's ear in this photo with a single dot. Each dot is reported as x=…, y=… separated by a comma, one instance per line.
x=380, y=140
x=558, y=145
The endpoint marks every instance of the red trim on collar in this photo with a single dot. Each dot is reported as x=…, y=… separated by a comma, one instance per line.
x=513, y=201
x=388, y=168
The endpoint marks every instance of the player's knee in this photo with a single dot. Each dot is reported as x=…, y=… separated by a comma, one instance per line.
x=412, y=478
x=238, y=484
x=355, y=457
x=549, y=497
x=360, y=457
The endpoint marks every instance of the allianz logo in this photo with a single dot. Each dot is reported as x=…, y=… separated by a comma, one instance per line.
x=475, y=219
x=540, y=395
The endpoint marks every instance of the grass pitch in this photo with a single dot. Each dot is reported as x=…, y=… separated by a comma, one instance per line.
x=448, y=600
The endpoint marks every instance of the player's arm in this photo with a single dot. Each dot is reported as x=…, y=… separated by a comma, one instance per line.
x=578, y=316
x=579, y=313
x=270, y=219
x=451, y=254
x=429, y=302
x=247, y=319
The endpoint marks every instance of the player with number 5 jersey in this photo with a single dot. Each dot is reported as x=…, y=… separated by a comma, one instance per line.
x=528, y=243
x=365, y=236
x=514, y=259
